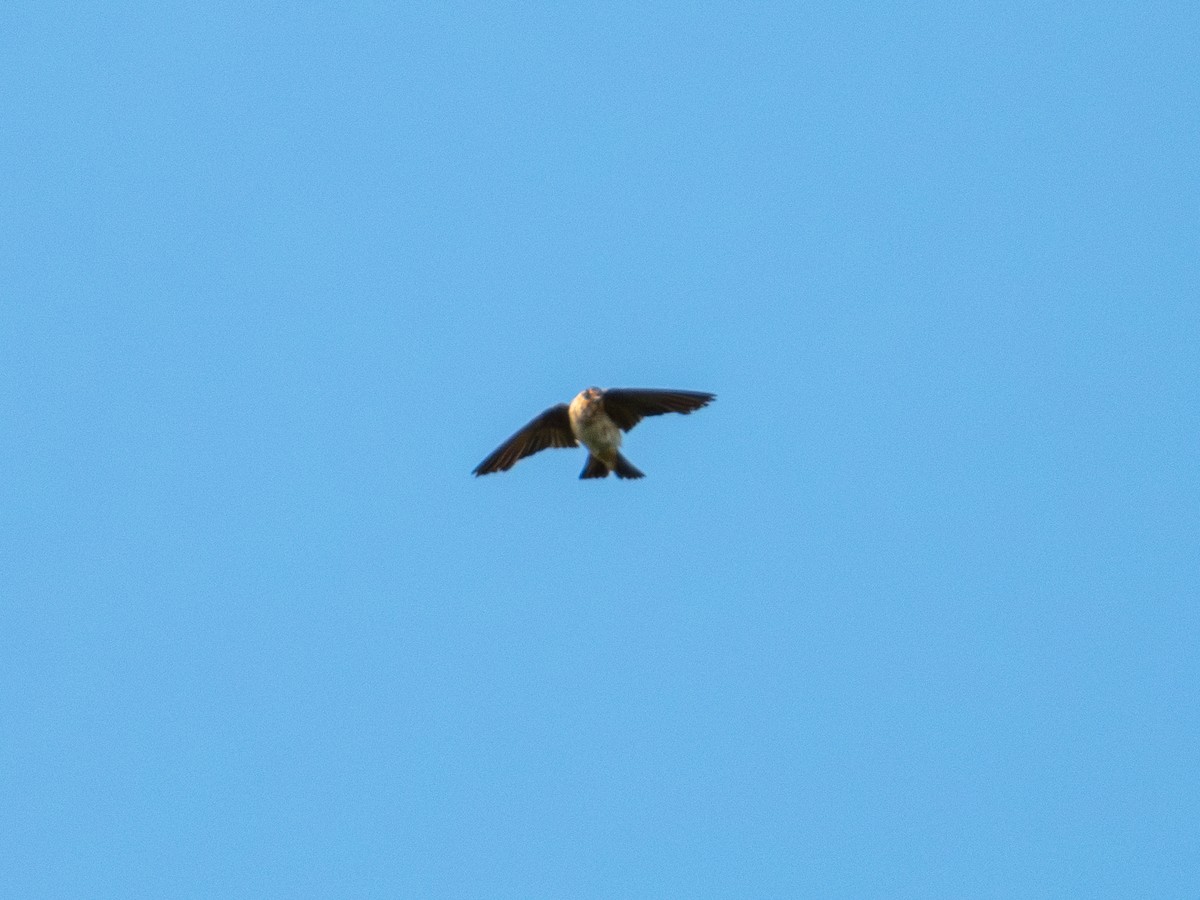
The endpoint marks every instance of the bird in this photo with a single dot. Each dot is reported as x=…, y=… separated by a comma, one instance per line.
x=595, y=418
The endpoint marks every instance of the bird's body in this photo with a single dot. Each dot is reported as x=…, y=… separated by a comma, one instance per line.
x=593, y=428
x=595, y=419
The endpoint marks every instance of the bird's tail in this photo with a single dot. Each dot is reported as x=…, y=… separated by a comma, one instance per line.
x=595, y=468
x=625, y=469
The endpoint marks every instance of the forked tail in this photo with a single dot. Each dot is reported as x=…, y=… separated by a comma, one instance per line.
x=597, y=469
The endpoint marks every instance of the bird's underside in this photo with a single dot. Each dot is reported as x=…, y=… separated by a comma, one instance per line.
x=595, y=418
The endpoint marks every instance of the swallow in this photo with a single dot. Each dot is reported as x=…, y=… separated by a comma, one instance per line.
x=595, y=418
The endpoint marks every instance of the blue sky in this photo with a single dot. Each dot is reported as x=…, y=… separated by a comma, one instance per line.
x=911, y=610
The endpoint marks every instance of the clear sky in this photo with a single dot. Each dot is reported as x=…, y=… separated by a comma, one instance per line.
x=910, y=611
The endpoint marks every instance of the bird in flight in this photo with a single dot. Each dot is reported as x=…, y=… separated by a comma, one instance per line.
x=595, y=418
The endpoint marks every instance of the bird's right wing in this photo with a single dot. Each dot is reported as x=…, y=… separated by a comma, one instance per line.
x=551, y=429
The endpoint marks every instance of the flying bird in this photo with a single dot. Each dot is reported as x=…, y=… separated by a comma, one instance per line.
x=595, y=418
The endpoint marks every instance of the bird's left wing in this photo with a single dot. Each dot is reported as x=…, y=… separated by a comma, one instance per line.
x=628, y=406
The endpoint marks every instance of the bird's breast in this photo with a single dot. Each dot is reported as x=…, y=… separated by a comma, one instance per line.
x=594, y=429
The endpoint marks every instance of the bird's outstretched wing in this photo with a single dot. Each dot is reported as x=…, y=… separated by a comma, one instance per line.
x=628, y=406
x=551, y=429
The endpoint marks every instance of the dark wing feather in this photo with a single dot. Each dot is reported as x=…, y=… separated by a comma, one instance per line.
x=628, y=406
x=551, y=429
